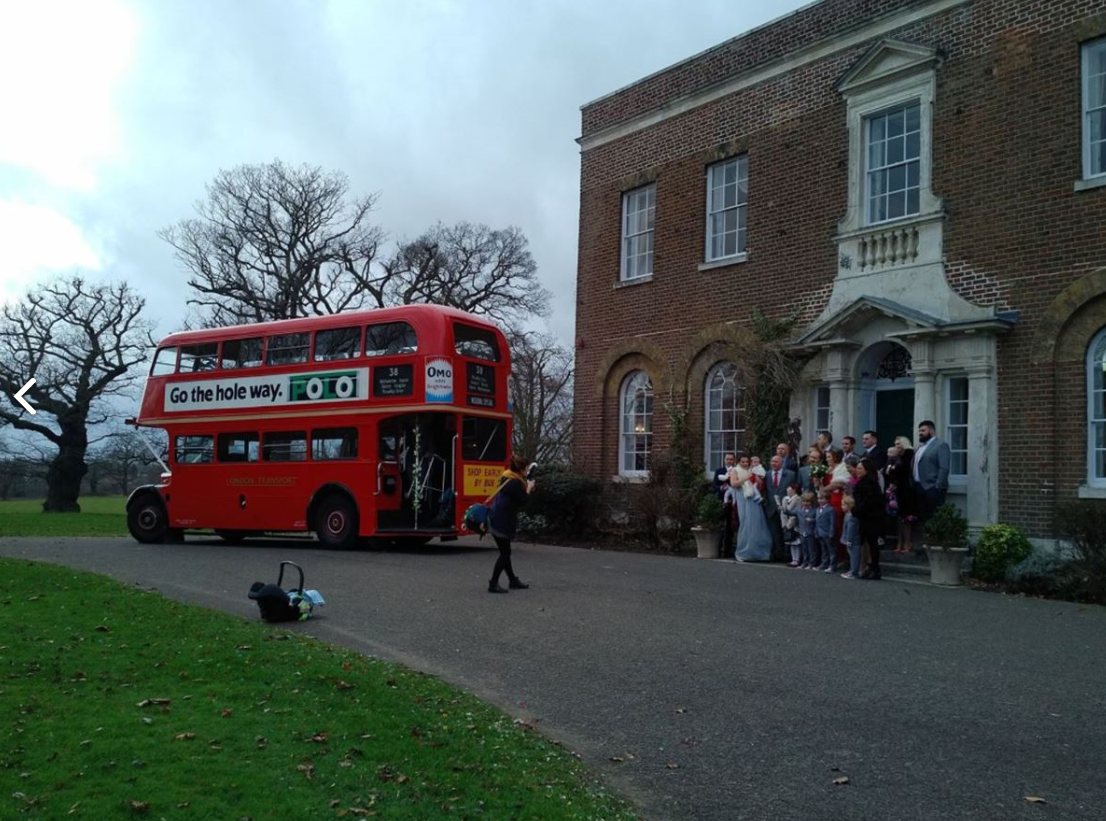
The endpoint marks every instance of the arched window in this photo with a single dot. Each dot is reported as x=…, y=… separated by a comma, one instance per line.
x=1096, y=411
x=725, y=414
x=637, y=425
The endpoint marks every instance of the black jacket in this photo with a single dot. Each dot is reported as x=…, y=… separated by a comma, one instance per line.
x=869, y=502
x=505, y=506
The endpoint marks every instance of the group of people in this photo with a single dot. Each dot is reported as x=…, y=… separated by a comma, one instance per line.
x=832, y=507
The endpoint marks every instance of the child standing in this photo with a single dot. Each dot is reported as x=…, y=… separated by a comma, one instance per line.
x=789, y=519
x=808, y=516
x=850, y=537
x=825, y=524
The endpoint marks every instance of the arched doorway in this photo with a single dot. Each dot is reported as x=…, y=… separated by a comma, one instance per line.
x=886, y=392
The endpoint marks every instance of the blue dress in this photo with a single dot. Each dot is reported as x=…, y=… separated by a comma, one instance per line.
x=754, y=539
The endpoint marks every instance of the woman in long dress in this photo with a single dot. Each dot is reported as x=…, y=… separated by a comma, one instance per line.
x=754, y=539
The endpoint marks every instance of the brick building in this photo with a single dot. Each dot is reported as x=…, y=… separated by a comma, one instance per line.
x=923, y=181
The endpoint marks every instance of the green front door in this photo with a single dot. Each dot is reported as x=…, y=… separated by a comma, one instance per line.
x=894, y=415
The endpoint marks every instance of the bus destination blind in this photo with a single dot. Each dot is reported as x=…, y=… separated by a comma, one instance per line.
x=393, y=380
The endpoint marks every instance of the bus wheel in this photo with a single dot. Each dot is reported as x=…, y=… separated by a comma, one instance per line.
x=336, y=522
x=147, y=520
x=232, y=536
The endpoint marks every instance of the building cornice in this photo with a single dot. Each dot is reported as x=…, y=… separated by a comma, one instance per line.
x=817, y=50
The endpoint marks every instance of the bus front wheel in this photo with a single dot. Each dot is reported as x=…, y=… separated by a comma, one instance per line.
x=147, y=520
x=336, y=522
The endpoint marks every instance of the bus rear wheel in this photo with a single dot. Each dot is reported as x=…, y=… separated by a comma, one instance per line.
x=336, y=522
x=147, y=520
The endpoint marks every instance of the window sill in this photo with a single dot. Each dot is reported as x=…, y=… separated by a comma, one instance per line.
x=1090, y=492
x=631, y=479
x=1093, y=182
x=723, y=263
x=627, y=283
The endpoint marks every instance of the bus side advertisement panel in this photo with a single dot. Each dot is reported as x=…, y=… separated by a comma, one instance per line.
x=344, y=385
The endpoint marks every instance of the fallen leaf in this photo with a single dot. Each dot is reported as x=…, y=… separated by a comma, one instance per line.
x=261, y=741
x=1033, y=799
x=318, y=738
x=147, y=720
x=307, y=768
x=347, y=666
x=226, y=713
x=681, y=710
x=73, y=809
x=334, y=803
x=183, y=805
x=344, y=685
x=617, y=758
x=841, y=779
x=140, y=806
x=673, y=766
x=102, y=628
x=243, y=647
x=184, y=736
x=149, y=702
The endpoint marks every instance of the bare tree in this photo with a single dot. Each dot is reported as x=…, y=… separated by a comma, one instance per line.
x=541, y=388
x=273, y=241
x=79, y=342
x=470, y=267
x=121, y=459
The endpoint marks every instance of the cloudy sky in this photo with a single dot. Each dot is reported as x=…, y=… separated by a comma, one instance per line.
x=116, y=113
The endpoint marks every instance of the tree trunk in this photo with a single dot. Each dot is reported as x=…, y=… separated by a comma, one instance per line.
x=63, y=479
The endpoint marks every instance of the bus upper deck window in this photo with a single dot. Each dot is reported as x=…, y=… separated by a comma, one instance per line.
x=479, y=343
x=241, y=353
x=196, y=358
x=341, y=343
x=288, y=349
x=194, y=450
x=165, y=362
x=390, y=338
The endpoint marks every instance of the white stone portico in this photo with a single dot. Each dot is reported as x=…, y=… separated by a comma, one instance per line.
x=895, y=340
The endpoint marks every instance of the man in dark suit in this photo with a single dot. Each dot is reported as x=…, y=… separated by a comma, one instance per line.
x=783, y=450
x=872, y=451
x=721, y=483
x=932, y=459
x=776, y=483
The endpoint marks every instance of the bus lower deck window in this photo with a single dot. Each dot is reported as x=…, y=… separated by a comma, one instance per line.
x=483, y=440
x=238, y=447
x=194, y=450
x=334, y=443
x=284, y=447
x=241, y=353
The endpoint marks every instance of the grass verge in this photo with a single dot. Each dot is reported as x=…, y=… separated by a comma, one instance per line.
x=99, y=516
x=119, y=703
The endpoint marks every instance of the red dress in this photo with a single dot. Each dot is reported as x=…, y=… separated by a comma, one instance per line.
x=839, y=516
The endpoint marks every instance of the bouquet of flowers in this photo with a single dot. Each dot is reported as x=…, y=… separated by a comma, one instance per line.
x=818, y=471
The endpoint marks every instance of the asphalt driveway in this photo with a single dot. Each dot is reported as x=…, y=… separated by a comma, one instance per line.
x=710, y=690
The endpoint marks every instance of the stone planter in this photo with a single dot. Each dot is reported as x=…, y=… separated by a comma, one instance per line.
x=706, y=541
x=944, y=564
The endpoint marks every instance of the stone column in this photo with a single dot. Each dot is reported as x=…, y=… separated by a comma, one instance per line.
x=925, y=375
x=982, y=500
x=840, y=418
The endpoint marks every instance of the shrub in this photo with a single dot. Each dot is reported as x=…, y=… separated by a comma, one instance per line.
x=1084, y=524
x=999, y=548
x=534, y=525
x=1036, y=574
x=566, y=501
x=711, y=511
x=946, y=528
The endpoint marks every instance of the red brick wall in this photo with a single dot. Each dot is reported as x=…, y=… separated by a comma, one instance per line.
x=1006, y=154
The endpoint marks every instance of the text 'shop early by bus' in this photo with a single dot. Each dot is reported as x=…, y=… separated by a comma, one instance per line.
x=384, y=423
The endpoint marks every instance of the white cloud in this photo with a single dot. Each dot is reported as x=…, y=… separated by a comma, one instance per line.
x=39, y=241
x=60, y=63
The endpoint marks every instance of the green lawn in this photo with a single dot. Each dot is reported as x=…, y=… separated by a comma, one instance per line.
x=99, y=516
x=118, y=703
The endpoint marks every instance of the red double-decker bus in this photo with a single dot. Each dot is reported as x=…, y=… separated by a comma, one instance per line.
x=384, y=423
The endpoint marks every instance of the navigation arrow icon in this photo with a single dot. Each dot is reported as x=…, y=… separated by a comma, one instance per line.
x=19, y=396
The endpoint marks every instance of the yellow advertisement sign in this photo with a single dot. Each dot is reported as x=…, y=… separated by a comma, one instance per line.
x=481, y=480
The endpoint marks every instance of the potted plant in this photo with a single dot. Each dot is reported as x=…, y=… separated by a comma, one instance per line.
x=945, y=537
x=708, y=523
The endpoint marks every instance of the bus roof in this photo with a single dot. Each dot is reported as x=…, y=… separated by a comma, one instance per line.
x=418, y=314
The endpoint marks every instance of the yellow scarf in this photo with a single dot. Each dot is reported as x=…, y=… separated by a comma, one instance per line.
x=507, y=476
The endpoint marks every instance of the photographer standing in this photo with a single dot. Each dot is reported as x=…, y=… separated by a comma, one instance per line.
x=514, y=488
